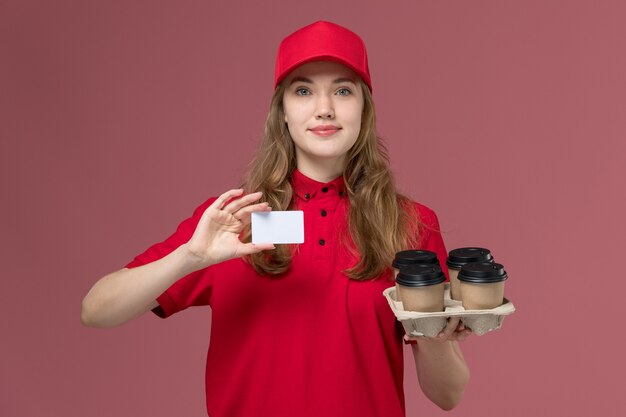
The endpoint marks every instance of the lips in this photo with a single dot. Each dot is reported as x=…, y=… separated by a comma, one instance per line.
x=325, y=130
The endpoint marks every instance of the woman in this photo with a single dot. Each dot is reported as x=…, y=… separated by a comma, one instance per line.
x=300, y=330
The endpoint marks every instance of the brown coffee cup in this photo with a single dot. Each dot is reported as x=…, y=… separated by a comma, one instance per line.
x=482, y=285
x=420, y=287
x=459, y=257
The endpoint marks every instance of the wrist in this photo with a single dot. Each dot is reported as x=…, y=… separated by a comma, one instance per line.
x=189, y=260
x=433, y=344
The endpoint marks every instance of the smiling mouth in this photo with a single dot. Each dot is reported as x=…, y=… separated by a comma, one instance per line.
x=325, y=130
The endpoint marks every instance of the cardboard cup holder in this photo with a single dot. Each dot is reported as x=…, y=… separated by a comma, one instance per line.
x=430, y=324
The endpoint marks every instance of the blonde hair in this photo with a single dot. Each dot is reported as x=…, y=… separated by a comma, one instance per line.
x=385, y=221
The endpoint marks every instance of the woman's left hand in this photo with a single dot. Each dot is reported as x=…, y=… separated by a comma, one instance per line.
x=455, y=330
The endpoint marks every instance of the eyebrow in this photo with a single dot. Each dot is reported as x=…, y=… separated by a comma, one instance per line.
x=308, y=81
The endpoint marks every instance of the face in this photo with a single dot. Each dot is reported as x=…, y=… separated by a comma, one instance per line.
x=323, y=104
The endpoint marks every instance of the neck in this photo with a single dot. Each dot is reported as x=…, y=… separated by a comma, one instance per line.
x=321, y=171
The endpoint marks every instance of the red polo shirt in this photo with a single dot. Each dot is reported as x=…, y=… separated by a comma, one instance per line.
x=311, y=342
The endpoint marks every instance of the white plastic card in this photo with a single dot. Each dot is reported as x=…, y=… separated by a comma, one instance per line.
x=278, y=227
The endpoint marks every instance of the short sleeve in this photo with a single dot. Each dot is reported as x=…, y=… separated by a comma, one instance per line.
x=430, y=235
x=191, y=290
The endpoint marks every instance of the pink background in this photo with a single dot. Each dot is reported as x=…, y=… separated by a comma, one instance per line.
x=118, y=118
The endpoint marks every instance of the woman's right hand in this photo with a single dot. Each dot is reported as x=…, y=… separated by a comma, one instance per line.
x=128, y=293
x=216, y=238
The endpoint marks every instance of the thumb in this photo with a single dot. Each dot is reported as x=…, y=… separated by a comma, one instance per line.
x=250, y=248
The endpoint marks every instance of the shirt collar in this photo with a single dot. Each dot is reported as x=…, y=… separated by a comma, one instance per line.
x=307, y=188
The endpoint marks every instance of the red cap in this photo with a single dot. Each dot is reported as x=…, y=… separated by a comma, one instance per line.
x=322, y=41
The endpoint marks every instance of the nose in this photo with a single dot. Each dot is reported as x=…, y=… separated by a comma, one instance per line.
x=325, y=108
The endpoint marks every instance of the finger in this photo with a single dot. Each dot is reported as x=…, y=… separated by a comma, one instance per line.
x=250, y=248
x=451, y=326
x=244, y=214
x=245, y=200
x=461, y=336
x=224, y=198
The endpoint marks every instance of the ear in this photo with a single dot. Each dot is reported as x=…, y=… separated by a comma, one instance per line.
x=285, y=114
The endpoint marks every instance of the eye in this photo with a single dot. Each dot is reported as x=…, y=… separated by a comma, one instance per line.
x=344, y=92
x=301, y=91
